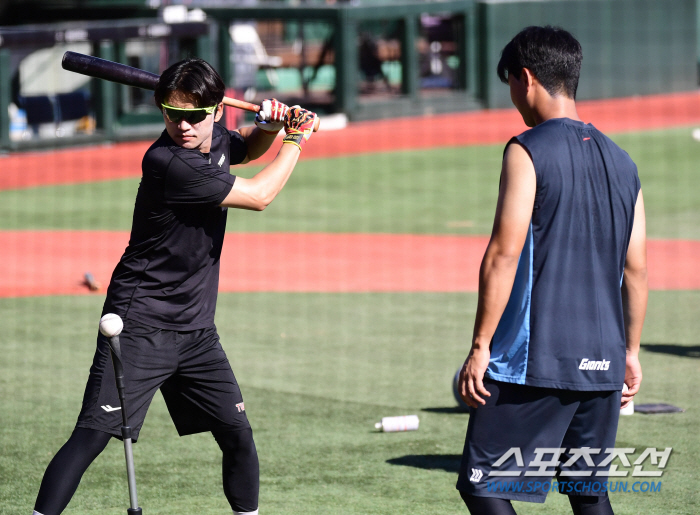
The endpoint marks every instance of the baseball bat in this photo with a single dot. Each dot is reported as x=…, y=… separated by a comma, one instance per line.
x=129, y=76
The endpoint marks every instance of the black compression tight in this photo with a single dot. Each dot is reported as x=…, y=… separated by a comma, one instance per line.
x=63, y=474
x=590, y=505
x=241, y=471
x=580, y=505
x=487, y=505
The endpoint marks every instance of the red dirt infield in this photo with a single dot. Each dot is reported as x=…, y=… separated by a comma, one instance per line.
x=54, y=262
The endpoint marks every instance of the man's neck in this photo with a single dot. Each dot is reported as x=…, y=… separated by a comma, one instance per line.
x=555, y=107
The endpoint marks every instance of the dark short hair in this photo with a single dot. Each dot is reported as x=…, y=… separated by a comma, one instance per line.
x=552, y=54
x=194, y=77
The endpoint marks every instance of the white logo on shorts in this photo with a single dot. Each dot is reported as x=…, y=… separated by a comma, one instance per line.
x=476, y=476
x=240, y=406
x=223, y=158
x=109, y=408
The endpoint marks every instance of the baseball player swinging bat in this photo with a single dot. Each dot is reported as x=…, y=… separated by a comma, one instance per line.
x=129, y=76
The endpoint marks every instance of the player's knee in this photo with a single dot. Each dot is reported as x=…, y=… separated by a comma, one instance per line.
x=590, y=505
x=238, y=442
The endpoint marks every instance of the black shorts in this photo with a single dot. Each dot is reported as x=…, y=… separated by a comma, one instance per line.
x=189, y=367
x=545, y=419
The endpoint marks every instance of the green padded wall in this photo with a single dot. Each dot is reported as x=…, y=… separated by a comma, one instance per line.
x=630, y=47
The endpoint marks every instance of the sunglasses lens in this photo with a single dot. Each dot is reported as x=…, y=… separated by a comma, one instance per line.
x=191, y=117
x=174, y=115
x=194, y=117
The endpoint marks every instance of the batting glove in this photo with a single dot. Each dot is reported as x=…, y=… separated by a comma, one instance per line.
x=270, y=118
x=299, y=125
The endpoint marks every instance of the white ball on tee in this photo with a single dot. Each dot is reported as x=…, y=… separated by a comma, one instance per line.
x=111, y=325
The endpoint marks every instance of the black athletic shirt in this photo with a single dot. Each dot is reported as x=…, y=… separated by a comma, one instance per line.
x=168, y=276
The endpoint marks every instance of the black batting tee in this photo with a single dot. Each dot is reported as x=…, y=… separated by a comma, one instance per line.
x=168, y=276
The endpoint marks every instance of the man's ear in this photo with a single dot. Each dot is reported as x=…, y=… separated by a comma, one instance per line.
x=527, y=77
x=219, y=112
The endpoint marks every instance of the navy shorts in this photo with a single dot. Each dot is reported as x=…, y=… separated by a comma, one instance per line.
x=189, y=367
x=525, y=436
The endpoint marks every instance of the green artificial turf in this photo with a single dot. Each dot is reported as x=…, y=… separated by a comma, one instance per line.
x=317, y=371
x=668, y=168
x=449, y=190
x=439, y=191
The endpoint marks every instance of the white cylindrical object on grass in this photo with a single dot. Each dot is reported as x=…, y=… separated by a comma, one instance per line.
x=395, y=424
x=629, y=409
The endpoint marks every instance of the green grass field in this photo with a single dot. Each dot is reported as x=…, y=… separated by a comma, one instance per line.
x=317, y=370
x=441, y=191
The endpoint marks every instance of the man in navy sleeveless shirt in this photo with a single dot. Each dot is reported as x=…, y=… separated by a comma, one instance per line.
x=165, y=285
x=562, y=297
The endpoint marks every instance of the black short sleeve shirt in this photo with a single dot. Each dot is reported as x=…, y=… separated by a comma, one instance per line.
x=168, y=276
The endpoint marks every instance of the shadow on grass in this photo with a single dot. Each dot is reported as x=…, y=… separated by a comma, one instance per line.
x=684, y=351
x=446, y=462
x=456, y=410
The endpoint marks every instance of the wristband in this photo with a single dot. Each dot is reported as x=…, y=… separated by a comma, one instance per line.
x=296, y=138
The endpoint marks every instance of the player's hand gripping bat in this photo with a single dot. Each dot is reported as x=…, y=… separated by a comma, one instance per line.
x=129, y=76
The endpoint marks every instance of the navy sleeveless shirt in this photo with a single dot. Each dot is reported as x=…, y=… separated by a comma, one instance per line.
x=563, y=326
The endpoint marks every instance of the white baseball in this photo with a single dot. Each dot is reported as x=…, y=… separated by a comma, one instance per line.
x=111, y=325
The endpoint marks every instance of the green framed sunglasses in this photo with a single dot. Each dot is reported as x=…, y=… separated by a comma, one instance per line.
x=191, y=115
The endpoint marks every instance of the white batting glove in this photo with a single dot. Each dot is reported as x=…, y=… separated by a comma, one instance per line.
x=270, y=118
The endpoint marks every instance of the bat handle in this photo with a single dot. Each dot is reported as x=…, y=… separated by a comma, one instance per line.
x=254, y=108
x=241, y=104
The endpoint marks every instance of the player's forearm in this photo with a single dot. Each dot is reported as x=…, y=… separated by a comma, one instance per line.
x=274, y=176
x=258, y=192
x=257, y=140
x=635, y=294
x=496, y=277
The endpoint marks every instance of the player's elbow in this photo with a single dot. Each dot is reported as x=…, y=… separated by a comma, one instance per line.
x=252, y=199
x=257, y=204
x=506, y=255
x=636, y=275
x=639, y=271
x=499, y=263
x=261, y=200
x=505, y=261
x=636, y=264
